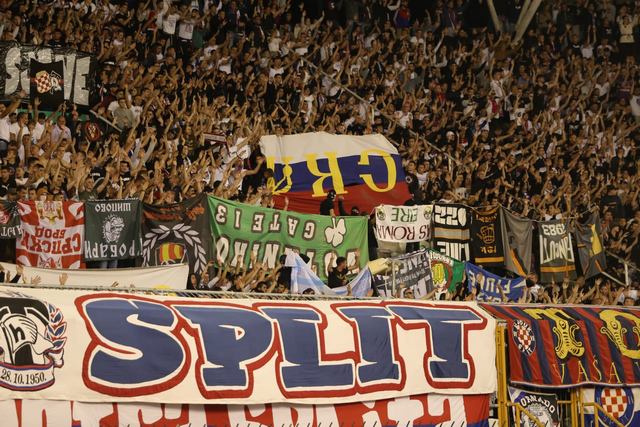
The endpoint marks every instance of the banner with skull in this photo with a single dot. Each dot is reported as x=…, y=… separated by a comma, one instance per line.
x=112, y=229
x=47, y=83
x=177, y=233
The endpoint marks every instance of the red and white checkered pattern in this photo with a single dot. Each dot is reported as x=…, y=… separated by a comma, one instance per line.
x=614, y=401
x=523, y=336
x=43, y=82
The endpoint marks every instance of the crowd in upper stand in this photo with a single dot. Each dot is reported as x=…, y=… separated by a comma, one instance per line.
x=548, y=125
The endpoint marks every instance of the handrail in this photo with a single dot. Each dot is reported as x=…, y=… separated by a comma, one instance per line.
x=519, y=409
x=597, y=409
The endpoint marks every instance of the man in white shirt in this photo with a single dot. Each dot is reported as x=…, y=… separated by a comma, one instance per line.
x=60, y=130
x=5, y=123
x=634, y=103
x=19, y=128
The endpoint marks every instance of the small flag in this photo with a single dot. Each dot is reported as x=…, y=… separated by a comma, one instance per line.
x=303, y=279
x=360, y=285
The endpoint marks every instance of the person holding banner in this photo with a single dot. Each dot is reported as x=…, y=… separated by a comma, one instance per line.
x=338, y=275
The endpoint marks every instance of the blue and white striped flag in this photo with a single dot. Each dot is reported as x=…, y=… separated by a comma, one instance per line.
x=360, y=285
x=303, y=278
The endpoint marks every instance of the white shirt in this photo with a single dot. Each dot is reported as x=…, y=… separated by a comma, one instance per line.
x=15, y=129
x=635, y=105
x=38, y=130
x=5, y=126
x=169, y=23
x=185, y=29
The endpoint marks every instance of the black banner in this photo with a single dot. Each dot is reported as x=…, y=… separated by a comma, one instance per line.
x=177, y=233
x=451, y=231
x=47, y=83
x=112, y=229
x=486, y=237
x=9, y=220
x=78, y=72
x=557, y=261
x=590, y=246
x=412, y=272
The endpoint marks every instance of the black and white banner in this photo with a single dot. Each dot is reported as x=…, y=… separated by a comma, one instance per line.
x=451, y=231
x=412, y=273
x=9, y=220
x=543, y=406
x=403, y=223
x=557, y=260
x=15, y=64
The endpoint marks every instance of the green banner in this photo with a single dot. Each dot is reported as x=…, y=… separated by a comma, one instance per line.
x=446, y=272
x=240, y=229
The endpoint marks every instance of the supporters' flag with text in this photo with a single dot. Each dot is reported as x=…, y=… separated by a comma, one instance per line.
x=620, y=403
x=567, y=346
x=517, y=240
x=112, y=229
x=557, y=261
x=588, y=235
x=47, y=83
x=543, y=406
x=486, y=237
x=52, y=234
x=303, y=279
x=366, y=170
x=451, y=231
x=446, y=272
x=177, y=233
x=240, y=230
x=9, y=220
x=488, y=285
x=412, y=271
x=403, y=223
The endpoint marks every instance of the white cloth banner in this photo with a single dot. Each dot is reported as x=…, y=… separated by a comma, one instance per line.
x=446, y=411
x=165, y=277
x=403, y=223
x=122, y=347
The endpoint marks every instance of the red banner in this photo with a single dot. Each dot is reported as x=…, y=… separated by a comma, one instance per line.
x=52, y=234
x=567, y=346
x=425, y=410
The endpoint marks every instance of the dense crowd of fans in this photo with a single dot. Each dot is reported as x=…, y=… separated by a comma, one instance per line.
x=547, y=125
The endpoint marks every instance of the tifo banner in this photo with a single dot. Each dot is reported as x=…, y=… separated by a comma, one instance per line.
x=451, y=231
x=556, y=252
x=78, y=72
x=9, y=220
x=621, y=403
x=486, y=237
x=413, y=271
x=366, y=170
x=543, y=406
x=114, y=347
x=566, y=346
x=240, y=230
x=52, y=234
x=517, y=240
x=112, y=229
x=422, y=410
x=403, y=223
x=446, y=272
x=488, y=285
x=165, y=277
x=47, y=83
x=177, y=233
x=590, y=246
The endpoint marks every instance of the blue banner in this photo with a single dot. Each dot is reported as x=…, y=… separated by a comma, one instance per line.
x=488, y=285
x=620, y=403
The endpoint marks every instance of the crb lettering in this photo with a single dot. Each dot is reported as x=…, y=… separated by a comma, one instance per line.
x=127, y=335
x=233, y=338
x=391, y=170
x=301, y=366
x=447, y=361
x=333, y=173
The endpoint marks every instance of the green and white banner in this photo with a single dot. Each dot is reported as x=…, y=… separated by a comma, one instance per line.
x=239, y=229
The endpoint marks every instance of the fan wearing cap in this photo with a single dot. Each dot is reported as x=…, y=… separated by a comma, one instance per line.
x=327, y=207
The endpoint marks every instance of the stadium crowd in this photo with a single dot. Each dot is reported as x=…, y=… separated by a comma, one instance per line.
x=548, y=126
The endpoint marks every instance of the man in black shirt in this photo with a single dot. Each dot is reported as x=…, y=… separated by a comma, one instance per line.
x=338, y=274
x=327, y=205
x=6, y=180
